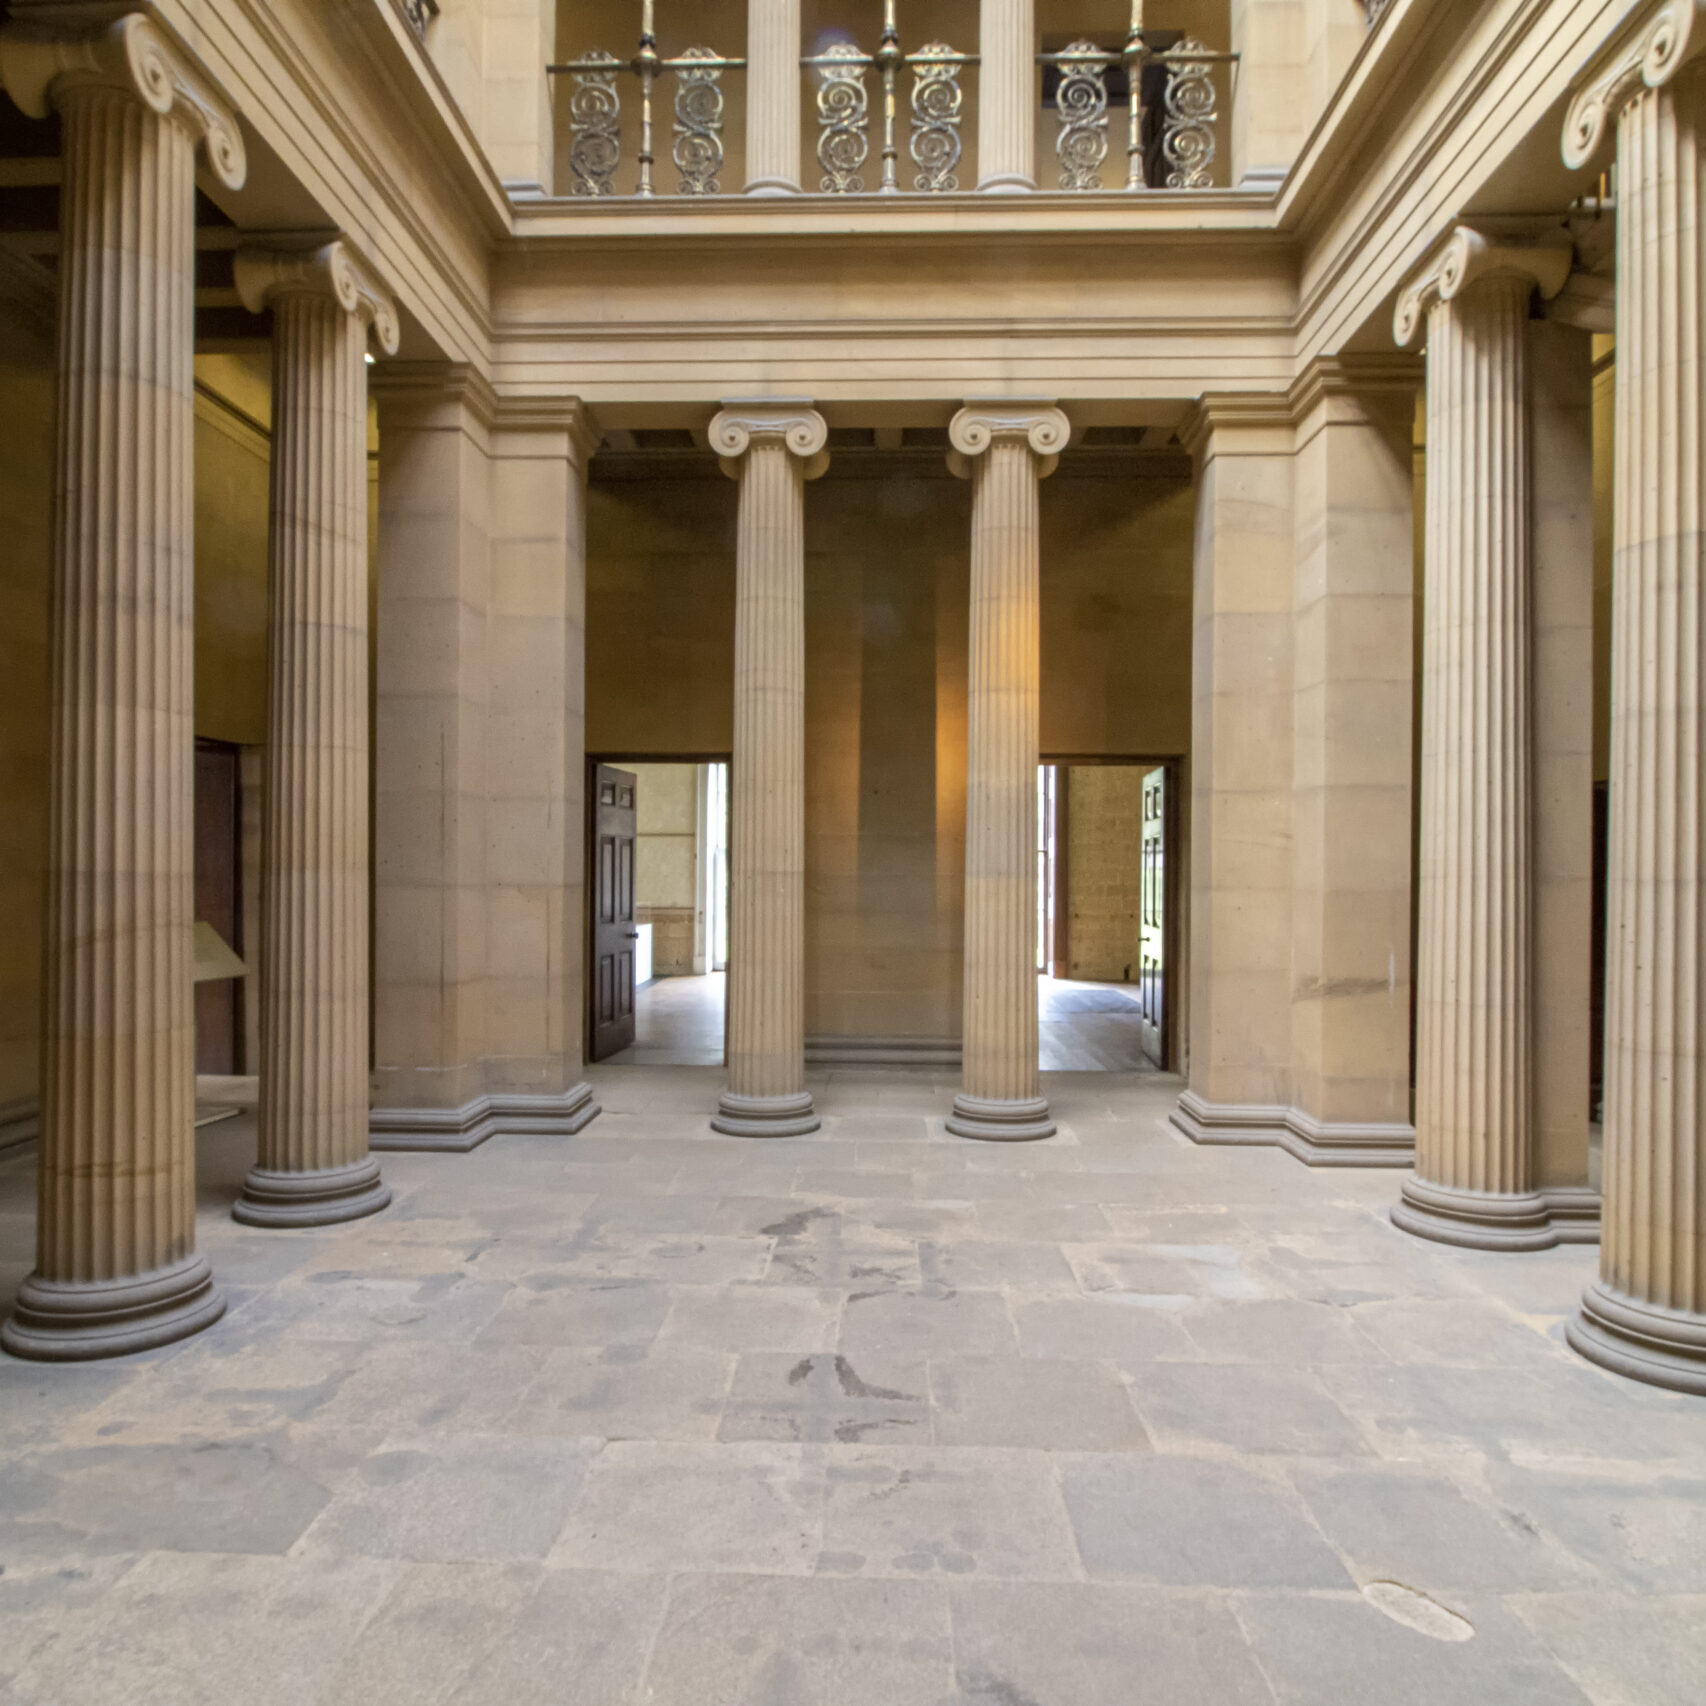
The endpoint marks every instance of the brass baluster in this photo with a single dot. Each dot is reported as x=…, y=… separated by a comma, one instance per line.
x=889, y=61
x=646, y=64
x=1134, y=57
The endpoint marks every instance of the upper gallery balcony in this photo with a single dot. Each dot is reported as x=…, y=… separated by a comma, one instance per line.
x=893, y=98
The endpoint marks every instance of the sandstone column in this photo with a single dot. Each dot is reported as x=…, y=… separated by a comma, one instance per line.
x=772, y=446
x=1006, y=446
x=1243, y=694
x=1007, y=97
x=1474, y=1181
x=1646, y=1314
x=116, y=1263
x=773, y=97
x=314, y=1167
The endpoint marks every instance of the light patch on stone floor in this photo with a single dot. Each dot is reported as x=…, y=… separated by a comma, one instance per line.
x=1417, y=1610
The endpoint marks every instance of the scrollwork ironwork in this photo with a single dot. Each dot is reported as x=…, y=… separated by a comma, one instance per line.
x=1082, y=104
x=420, y=13
x=698, y=147
x=1188, y=116
x=594, y=109
x=844, y=118
x=936, y=114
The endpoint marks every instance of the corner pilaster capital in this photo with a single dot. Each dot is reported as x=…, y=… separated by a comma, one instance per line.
x=332, y=272
x=1646, y=54
x=1256, y=423
x=565, y=423
x=802, y=430
x=40, y=67
x=1038, y=421
x=1541, y=254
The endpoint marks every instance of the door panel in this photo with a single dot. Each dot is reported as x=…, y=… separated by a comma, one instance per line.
x=1152, y=992
x=613, y=930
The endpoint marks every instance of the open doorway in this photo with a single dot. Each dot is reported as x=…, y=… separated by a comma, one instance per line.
x=1107, y=934
x=657, y=898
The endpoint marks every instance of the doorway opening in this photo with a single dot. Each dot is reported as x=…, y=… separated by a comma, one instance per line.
x=1107, y=926
x=657, y=898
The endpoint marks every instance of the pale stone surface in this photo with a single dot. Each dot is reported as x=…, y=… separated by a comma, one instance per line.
x=622, y=1502
x=1007, y=79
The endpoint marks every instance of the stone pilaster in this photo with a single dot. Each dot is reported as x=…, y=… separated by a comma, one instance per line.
x=1474, y=1181
x=1006, y=446
x=313, y=1166
x=772, y=446
x=116, y=1264
x=1646, y=1314
x=1007, y=96
x=773, y=97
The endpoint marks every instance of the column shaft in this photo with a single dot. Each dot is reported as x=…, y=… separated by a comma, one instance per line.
x=1002, y=1090
x=1474, y=1177
x=314, y=1167
x=767, y=1093
x=117, y=1269
x=773, y=97
x=1006, y=96
x=1646, y=1314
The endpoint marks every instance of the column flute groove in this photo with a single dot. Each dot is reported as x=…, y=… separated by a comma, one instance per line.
x=314, y=1167
x=116, y=1264
x=1006, y=447
x=772, y=446
x=1645, y=1315
x=1474, y=1179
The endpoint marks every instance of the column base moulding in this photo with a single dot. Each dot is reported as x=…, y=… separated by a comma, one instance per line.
x=1664, y=1347
x=1575, y=1212
x=1000, y=1122
x=80, y=1320
x=765, y=1116
x=1476, y=1220
x=20, y=1123
x=457, y=1130
x=883, y=1051
x=320, y=1197
x=1316, y=1143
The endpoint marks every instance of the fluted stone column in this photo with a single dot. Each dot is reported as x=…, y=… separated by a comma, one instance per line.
x=116, y=1264
x=1646, y=1314
x=1006, y=97
x=773, y=97
x=1474, y=1180
x=314, y=1167
x=1006, y=447
x=772, y=446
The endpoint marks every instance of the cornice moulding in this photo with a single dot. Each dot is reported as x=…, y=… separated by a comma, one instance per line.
x=1646, y=54
x=1538, y=252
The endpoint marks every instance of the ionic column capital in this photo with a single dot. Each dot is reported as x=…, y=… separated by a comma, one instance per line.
x=1648, y=54
x=1542, y=255
x=38, y=69
x=333, y=271
x=984, y=420
x=802, y=430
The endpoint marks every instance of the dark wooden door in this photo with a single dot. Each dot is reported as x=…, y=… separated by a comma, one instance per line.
x=217, y=901
x=613, y=930
x=1152, y=981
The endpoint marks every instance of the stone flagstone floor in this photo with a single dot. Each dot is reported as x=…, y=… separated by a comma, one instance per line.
x=872, y=1418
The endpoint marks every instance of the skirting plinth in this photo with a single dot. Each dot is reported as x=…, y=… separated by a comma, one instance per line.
x=1316, y=1143
x=80, y=1320
x=765, y=1116
x=457, y=1130
x=303, y=1197
x=1476, y=1220
x=1665, y=1347
x=1000, y=1122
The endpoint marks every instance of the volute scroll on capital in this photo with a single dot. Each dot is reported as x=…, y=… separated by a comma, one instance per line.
x=803, y=431
x=332, y=270
x=133, y=53
x=1543, y=257
x=1037, y=420
x=1664, y=37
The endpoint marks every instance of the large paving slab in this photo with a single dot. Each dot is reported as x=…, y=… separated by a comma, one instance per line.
x=875, y=1417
